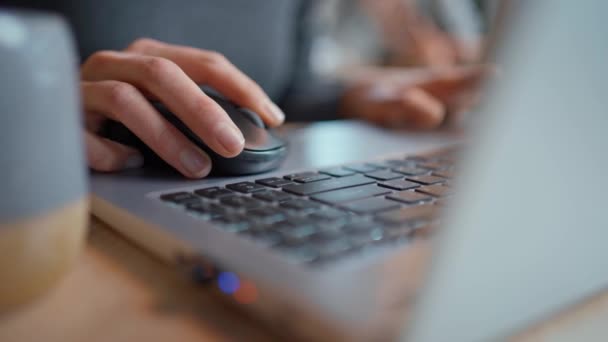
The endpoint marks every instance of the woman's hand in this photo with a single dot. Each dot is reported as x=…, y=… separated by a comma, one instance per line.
x=412, y=38
x=412, y=98
x=118, y=84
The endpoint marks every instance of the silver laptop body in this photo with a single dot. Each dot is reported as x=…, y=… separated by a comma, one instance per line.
x=527, y=233
x=524, y=236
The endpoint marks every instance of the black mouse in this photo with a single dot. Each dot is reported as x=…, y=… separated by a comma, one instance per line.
x=264, y=150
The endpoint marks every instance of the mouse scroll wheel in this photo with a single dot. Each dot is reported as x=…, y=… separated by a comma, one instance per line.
x=253, y=117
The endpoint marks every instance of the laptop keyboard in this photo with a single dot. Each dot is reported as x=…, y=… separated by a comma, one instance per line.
x=322, y=216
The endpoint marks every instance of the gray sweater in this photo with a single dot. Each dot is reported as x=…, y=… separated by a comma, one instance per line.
x=268, y=39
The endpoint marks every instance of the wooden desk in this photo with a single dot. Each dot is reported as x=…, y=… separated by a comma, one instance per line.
x=117, y=292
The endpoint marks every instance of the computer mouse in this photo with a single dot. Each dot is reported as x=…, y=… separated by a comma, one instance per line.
x=264, y=150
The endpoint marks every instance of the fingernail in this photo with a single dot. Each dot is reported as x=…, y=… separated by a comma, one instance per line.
x=134, y=161
x=275, y=111
x=230, y=137
x=195, y=162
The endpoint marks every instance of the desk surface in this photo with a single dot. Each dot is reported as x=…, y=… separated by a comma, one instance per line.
x=117, y=292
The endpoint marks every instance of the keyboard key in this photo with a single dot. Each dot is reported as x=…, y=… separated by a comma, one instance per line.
x=268, y=214
x=371, y=205
x=435, y=165
x=361, y=225
x=326, y=234
x=242, y=202
x=379, y=165
x=410, y=197
x=232, y=223
x=327, y=185
x=180, y=198
x=437, y=190
x=267, y=239
x=291, y=177
x=427, y=180
x=295, y=221
x=350, y=194
x=272, y=195
x=260, y=226
x=311, y=178
x=300, y=204
x=398, y=232
x=330, y=229
x=399, y=184
x=363, y=239
x=445, y=174
x=384, y=175
x=332, y=223
x=297, y=235
x=337, y=172
x=329, y=214
x=245, y=187
x=411, y=170
x=332, y=248
x=275, y=227
x=274, y=182
x=408, y=214
x=214, y=192
x=392, y=163
x=361, y=168
x=209, y=209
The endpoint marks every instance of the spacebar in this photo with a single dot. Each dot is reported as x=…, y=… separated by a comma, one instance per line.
x=328, y=185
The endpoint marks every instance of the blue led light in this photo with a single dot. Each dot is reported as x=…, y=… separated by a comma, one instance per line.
x=228, y=282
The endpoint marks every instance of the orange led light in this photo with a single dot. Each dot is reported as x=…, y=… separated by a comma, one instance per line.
x=247, y=292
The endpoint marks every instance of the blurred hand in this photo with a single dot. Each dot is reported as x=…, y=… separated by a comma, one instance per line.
x=412, y=98
x=117, y=85
x=413, y=39
x=429, y=46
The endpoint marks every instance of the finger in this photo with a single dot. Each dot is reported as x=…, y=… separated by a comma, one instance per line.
x=106, y=155
x=211, y=68
x=123, y=102
x=421, y=109
x=433, y=49
x=449, y=82
x=397, y=108
x=168, y=82
x=469, y=51
x=93, y=121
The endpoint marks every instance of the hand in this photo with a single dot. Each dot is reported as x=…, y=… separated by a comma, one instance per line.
x=426, y=45
x=411, y=98
x=413, y=38
x=117, y=85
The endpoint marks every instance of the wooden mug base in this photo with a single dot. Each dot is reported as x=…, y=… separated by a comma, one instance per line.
x=37, y=251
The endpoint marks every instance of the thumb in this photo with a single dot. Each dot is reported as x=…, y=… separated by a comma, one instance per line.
x=106, y=155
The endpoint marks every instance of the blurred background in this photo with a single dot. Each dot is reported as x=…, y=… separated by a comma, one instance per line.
x=355, y=34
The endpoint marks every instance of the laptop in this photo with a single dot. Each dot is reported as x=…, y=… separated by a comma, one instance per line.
x=363, y=234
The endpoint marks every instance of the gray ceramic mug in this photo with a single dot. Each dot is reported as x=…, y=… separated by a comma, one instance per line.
x=43, y=202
